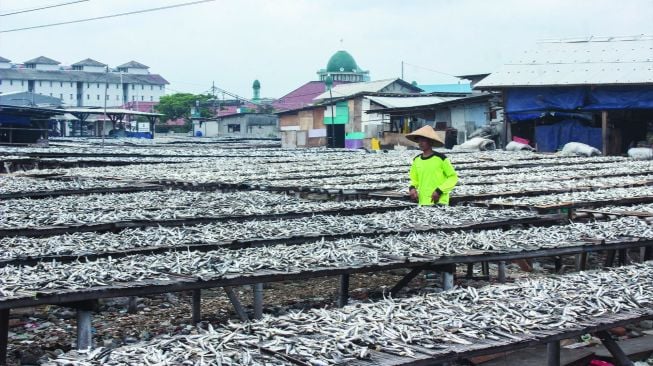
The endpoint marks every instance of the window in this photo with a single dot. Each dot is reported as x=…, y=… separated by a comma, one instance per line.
x=107, y=97
x=61, y=96
x=22, y=82
x=233, y=128
x=98, y=97
x=133, y=98
x=50, y=94
x=117, y=86
x=98, y=85
x=71, y=97
x=40, y=84
x=50, y=84
x=0, y=82
x=88, y=96
x=132, y=86
x=160, y=87
x=151, y=98
x=71, y=84
x=142, y=98
x=151, y=87
x=142, y=87
x=88, y=85
x=61, y=84
x=11, y=82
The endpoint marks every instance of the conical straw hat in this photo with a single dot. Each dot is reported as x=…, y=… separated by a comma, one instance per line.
x=426, y=131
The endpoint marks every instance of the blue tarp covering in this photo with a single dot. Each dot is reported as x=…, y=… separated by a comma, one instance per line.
x=139, y=135
x=529, y=116
x=550, y=138
x=577, y=99
x=542, y=99
x=620, y=98
x=15, y=120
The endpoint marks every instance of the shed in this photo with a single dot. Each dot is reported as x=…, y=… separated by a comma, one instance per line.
x=596, y=90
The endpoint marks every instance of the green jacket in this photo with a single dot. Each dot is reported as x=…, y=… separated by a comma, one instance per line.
x=430, y=174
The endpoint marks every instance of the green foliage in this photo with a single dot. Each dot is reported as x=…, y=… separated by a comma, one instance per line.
x=179, y=105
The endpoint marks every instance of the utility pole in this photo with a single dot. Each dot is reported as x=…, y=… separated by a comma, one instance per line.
x=402, y=70
x=106, y=86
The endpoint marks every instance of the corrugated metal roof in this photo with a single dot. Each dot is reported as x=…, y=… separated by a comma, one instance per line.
x=2, y=59
x=403, y=102
x=133, y=65
x=346, y=90
x=590, y=61
x=83, y=76
x=43, y=61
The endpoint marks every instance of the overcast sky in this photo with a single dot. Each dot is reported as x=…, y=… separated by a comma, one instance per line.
x=284, y=42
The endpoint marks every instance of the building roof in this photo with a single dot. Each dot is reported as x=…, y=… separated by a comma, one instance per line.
x=342, y=61
x=422, y=103
x=133, y=65
x=256, y=84
x=588, y=61
x=349, y=89
x=88, y=62
x=42, y=60
x=108, y=111
x=25, y=98
x=83, y=76
x=29, y=111
x=402, y=102
x=302, y=96
x=2, y=59
x=446, y=88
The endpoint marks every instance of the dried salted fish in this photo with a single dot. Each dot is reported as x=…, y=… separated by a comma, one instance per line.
x=463, y=316
x=356, y=251
x=89, y=242
x=612, y=194
x=163, y=205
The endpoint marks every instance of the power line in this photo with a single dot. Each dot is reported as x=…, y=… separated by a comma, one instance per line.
x=107, y=16
x=426, y=68
x=42, y=8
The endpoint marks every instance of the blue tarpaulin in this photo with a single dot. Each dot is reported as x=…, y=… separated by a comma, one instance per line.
x=576, y=99
x=15, y=120
x=550, y=138
x=543, y=99
x=620, y=98
x=139, y=135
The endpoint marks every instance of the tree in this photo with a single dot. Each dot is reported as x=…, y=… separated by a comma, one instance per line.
x=178, y=105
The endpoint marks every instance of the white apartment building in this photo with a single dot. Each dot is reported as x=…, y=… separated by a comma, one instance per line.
x=86, y=83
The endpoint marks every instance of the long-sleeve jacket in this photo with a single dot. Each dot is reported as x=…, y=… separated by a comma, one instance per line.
x=430, y=174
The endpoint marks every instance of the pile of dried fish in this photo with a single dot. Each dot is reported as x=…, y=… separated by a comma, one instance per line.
x=24, y=184
x=162, y=205
x=612, y=194
x=579, y=172
x=642, y=208
x=343, y=253
x=556, y=185
x=461, y=319
x=224, y=232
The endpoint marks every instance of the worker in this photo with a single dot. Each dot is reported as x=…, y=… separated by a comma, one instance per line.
x=432, y=177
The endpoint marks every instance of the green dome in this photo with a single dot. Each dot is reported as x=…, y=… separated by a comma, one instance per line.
x=342, y=61
x=257, y=84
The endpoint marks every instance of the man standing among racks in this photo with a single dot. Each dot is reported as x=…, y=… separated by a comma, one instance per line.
x=432, y=177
